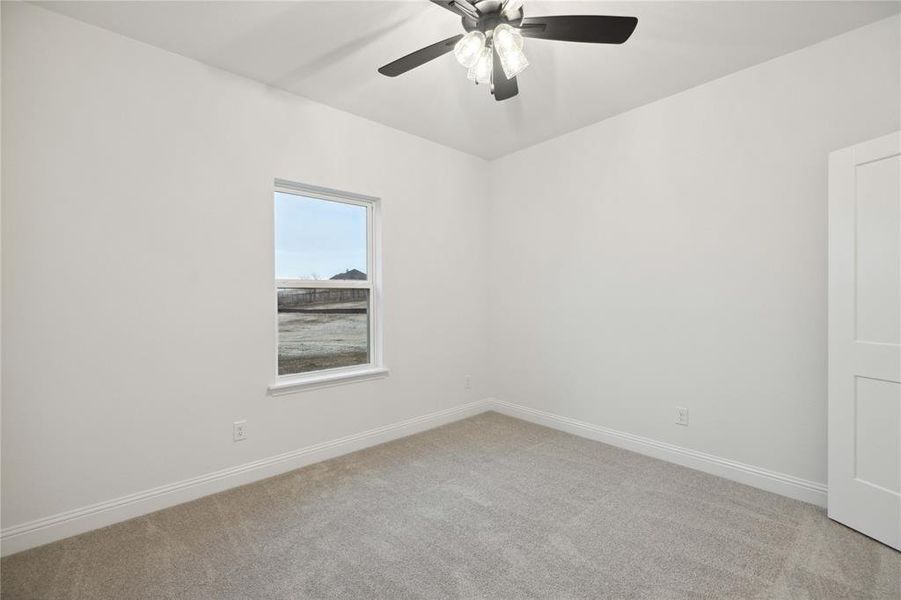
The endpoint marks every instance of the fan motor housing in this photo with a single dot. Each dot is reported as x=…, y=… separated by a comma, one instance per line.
x=490, y=16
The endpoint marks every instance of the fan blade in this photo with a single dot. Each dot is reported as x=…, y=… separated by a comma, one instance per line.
x=461, y=8
x=594, y=29
x=467, y=7
x=503, y=88
x=420, y=57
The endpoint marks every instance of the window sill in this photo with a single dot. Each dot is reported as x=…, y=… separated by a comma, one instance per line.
x=291, y=385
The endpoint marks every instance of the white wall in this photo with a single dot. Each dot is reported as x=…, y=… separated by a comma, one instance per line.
x=675, y=255
x=137, y=266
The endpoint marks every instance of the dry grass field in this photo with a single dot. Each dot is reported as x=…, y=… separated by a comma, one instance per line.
x=320, y=339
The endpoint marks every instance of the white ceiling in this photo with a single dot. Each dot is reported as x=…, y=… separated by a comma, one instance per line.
x=329, y=51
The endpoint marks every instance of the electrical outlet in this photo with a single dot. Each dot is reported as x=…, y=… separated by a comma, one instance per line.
x=467, y=384
x=239, y=431
x=681, y=416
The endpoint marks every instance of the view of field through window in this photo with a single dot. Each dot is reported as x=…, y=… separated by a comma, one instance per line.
x=321, y=327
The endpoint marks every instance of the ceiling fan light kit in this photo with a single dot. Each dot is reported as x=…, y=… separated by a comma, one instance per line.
x=492, y=48
x=473, y=51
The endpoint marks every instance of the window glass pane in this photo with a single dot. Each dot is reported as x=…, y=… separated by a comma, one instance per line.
x=319, y=239
x=322, y=328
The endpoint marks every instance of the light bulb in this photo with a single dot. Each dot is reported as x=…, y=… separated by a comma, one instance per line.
x=481, y=71
x=506, y=37
x=469, y=48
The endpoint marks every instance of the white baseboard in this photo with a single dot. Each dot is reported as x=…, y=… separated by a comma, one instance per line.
x=771, y=481
x=42, y=531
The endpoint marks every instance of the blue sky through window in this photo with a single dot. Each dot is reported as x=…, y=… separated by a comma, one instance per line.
x=315, y=239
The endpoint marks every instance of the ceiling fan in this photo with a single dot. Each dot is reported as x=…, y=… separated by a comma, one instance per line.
x=492, y=47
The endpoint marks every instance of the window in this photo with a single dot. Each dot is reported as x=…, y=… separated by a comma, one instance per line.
x=326, y=286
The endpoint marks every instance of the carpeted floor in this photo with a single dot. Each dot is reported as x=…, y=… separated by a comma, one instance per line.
x=489, y=507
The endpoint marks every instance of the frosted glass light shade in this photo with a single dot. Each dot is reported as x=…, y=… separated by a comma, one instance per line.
x=508, y=44
x=469, y=48
x=511, y=7
x=513, y=61
x=506, y=37
x=481, y=71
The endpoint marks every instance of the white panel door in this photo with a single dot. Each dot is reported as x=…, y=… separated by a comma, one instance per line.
x=865, y=338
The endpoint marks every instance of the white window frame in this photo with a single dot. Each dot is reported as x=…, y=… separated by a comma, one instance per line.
x=375, y=368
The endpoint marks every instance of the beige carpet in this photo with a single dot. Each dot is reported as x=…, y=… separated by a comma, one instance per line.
x=490, y=507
